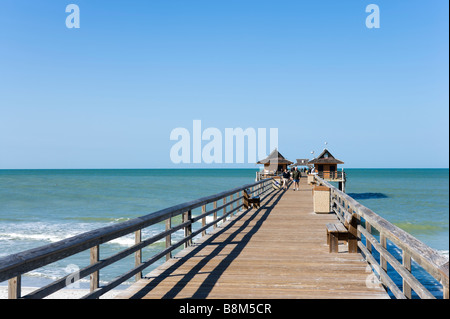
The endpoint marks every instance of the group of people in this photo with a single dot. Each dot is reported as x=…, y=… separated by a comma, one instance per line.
x=294, y=175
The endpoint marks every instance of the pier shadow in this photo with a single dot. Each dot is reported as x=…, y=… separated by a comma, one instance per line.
x=260, y=215
x=357, y=196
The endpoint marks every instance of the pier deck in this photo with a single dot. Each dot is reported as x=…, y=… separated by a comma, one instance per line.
x=277, y=251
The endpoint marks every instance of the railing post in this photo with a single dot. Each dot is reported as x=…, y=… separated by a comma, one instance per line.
x=168, y=237
x=204, y=220
x=368, y=243
x=407, y=264
x=138, y=254
x=94, y=258
x=231, y=205
x=14, y=287
x=187, y=216
x=383, y=261
x=215, y=214
x=240, y=202
x=224, y=208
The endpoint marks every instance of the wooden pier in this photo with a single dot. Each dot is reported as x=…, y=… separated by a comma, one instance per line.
x=277, y=251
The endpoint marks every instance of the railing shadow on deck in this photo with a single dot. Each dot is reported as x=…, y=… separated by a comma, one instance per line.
x=13, y=267
x=207, y=285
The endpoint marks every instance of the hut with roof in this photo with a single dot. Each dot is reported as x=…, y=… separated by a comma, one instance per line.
x=274, y=163
x=326, y=166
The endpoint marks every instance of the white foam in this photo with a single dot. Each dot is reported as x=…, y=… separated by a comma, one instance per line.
x=444, y=253
x=123, y=241
x=63, y=293
x=210, y=219
x=39, y=237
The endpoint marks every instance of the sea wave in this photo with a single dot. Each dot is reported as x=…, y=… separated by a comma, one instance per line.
x=37, y=237
x=99, y=219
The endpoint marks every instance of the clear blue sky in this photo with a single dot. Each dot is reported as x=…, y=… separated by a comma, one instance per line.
x=107, y=95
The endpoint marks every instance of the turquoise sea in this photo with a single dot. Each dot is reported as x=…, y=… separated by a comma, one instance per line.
x=38, y=207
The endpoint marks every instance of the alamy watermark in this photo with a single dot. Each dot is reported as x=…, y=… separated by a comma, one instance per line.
x=373, y=19
x=211, y=145
x=73, y=19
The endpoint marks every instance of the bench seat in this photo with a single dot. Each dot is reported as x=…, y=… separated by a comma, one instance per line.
x=344, y=232
x=251, y=201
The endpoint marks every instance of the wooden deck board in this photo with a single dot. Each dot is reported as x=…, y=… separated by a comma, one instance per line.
x=278, y=251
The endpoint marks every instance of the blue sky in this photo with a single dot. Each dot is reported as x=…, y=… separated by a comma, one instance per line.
x=108, y=95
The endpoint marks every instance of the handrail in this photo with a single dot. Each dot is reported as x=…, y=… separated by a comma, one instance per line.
x=412, y=248
x=12, y=267
x=332, y=174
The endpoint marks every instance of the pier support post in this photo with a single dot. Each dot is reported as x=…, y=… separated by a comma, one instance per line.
x=95, y=277
x=231, y=205
x=14, y=287
x=224, y=201
x=138, y=254
x=168, y=237
x=188, y=229
x=204, y=220
x=407, y=264
x=215, y=214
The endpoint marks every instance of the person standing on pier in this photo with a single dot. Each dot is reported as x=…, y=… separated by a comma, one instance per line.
x=296, y=178
x=286, y=177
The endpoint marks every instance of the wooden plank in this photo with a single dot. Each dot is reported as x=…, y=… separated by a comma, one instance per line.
x=246, y=257
x=341, y=228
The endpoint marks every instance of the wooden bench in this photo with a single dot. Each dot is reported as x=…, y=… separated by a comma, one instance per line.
x=249, y=200
x=347, y=232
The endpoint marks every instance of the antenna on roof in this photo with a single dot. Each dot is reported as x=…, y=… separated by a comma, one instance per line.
x=326, y=143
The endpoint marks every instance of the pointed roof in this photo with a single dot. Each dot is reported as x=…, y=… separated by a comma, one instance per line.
x=275, y=157
x=325, y=158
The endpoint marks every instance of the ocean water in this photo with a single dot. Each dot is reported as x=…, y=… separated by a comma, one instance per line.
x=416, y=200
x=38, y=207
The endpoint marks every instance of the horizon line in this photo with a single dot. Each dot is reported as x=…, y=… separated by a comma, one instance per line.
x=206, y=168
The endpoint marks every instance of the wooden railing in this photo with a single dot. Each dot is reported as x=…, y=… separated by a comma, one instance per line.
x=14, y=266
x=371, y=226
x=332, y=175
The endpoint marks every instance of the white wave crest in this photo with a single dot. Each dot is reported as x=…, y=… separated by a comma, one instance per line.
x=39, y=237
